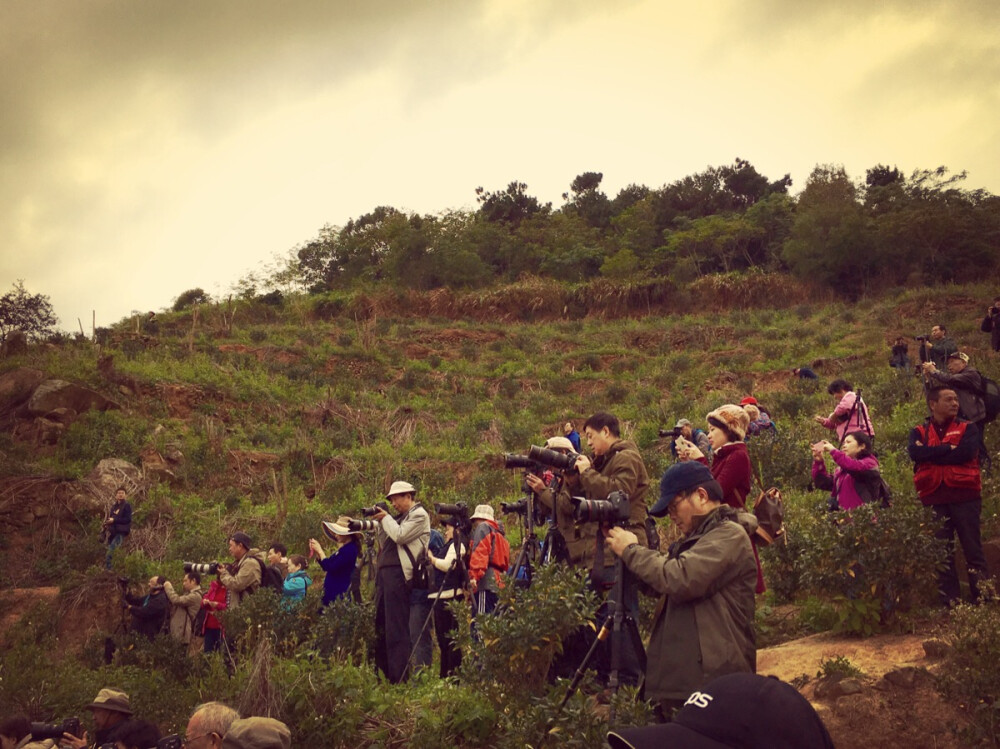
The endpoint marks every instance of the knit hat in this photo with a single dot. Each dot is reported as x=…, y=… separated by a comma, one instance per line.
x=257, y=733
x=483, y=512
x=400, y=487
x=111, y=699
x=734, y=711
x=731, y=418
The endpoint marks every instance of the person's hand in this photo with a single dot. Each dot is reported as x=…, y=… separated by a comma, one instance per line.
x=693, y=452
x=819, y=419
x=582, y=463
x=928, y=344
x=430, y=556
x=535, y=483
x=828, y=446
x=69, y=740
x=817, y=451
x=619, y=539
x=472, y=584
x=929, y=367
x=377, y=517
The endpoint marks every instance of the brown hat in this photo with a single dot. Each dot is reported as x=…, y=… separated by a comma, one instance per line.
x=111, y=699
x=257, y=733
x=731, y=418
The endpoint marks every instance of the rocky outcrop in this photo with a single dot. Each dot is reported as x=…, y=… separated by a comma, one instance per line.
x=17, y=385
x=111, y=473
x=51, y=395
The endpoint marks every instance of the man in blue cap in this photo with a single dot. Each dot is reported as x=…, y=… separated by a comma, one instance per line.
x=703, y=626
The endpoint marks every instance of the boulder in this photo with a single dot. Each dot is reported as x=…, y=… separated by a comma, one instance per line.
x=154, y=466
x=63, y=415
x=936, y=648
x=15, y=343
x=111, y=473
x=47, y=431
x=17, y=385
x=53, y=394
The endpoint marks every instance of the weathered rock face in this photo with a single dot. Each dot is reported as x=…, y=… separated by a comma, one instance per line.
x=111, y=473
x=15, y=343
x=17, y=386
x=55, y=394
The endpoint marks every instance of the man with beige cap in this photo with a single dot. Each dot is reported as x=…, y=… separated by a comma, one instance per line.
x=402, y=541
x=257, y=733
x=110, y=707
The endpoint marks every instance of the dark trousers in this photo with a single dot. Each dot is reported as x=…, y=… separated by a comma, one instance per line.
x=392, y=623
x=420, y=636
x=444, y=627
x=961, y=519
x=213, y=640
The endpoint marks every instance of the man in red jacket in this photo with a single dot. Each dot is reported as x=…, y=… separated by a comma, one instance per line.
x=945, y=453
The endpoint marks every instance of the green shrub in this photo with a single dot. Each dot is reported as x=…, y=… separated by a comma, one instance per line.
x=839, y=666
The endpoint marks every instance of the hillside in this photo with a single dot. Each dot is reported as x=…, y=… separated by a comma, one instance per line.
x=271, y=417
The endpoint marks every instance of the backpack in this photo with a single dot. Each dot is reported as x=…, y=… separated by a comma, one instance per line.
x=770, y=513
x=198, y=623
x=991, y=398
x=270, y=577
x=871, y=487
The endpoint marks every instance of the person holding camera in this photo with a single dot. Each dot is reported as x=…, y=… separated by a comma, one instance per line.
x=134, y=734
x=243, y=576
x=185, y=606
x=937, y=347
x=339, y=566
x=118, y=524
x=447, y=587
x=570, y=542
x=215, y=601
x=403, y=539
x=110, y=708
x=684, y=429
x=149, y=612
x=704, y=625
x=849, y=415
x=490, y=558
x=991, y=323
x=856, y=477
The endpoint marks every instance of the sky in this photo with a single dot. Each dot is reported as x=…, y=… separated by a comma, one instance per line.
x=148, y=147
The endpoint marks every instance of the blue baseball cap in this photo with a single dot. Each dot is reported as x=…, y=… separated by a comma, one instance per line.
x=682, y=477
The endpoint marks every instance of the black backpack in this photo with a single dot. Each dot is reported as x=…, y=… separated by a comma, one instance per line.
x=270, y=577
x=991, y=398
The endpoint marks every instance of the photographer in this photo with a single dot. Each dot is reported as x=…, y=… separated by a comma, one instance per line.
x=490, y=558
x=403, y=540
x=110, y=708
x=214, y=603
x=339, y=566
x=185, y=606
x=849, y=415
x=574, y=541
x=243, y=576
x=703, y=627
x=447, y=586
x=118, y=524
x=134, y=734
x=937, y=347
x=149, y=612
x=697, y=437
x=991, y=323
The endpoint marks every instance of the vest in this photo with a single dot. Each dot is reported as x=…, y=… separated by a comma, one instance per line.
x=928, y=477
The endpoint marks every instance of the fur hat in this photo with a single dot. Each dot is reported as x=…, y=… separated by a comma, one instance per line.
x=731, y=418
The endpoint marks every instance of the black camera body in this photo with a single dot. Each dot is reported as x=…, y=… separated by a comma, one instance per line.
x=553, y=459
x=202, y=568
x=458, y=510
x=615, y=510
x=517, y=507
x=671, y=433
x=364, y=526
x=512, y=461
x=367, y=512
x=173, y=741
x=920, y=338
x=43, y=731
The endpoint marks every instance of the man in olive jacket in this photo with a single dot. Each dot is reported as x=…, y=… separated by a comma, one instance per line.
x=185, y=606
x=703, y=626
x=242, y=577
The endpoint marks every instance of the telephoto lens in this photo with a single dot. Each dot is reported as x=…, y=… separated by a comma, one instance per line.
x=364, y=526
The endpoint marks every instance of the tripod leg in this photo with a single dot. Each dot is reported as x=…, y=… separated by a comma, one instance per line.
x=602, y=635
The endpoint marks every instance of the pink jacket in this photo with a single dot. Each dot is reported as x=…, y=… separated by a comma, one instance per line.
x=859, y=421
x=841, y=485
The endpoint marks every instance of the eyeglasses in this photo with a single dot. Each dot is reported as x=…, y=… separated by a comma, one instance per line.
x=188, y=740
x=675, y=503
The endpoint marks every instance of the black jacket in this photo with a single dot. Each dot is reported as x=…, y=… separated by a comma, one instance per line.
x=121, y=519
x=991, y=325
x=148, y=613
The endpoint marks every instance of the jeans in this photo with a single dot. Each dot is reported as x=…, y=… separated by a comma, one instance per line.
x=114, y=543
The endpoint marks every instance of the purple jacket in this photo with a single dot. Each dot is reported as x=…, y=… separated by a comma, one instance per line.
x=841, y=486
x=859, y=421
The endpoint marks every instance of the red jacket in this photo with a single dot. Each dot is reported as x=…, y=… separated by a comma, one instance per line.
x=216, y=592
x=731, y=468
x=490, y=550
x=929, y=476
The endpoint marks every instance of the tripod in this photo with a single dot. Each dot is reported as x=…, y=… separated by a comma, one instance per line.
x=122, y=627
x=522, y=570
x=617, y=619
x=366, y=560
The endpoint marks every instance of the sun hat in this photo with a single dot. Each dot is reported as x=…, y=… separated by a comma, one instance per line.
x=339, y=528
x=558, y=443
x=400, y=487
x=483, y=512
x=111, y=699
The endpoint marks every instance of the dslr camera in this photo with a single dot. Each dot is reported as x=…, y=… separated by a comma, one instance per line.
x=202, y=568
x=512, y=461
x=671, y=433
x=367, y=512
x=364, y=526
x=614, y=510
x=553, y=459
x=517, y=507
x=55, y=731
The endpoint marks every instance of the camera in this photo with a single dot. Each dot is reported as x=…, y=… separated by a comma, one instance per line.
x=364, y=526
x=367, y=512
x=671, y=433
x=459, y=510
x=43, y=731
x=552, y=458
x=521, y=461
x=517, y=507
x=920, y=338
x=202, y=568
x=614, y=509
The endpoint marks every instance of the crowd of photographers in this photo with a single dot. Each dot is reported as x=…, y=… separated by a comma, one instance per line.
x=598, y=521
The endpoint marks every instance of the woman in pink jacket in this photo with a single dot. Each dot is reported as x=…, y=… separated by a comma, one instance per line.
x=855, y=463
x=851, y=413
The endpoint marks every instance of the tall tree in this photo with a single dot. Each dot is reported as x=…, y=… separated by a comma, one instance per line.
x=586, y=200
x=510, y=206
x=32, y=314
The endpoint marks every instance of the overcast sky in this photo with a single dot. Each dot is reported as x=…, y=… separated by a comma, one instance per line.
x=152, y=146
